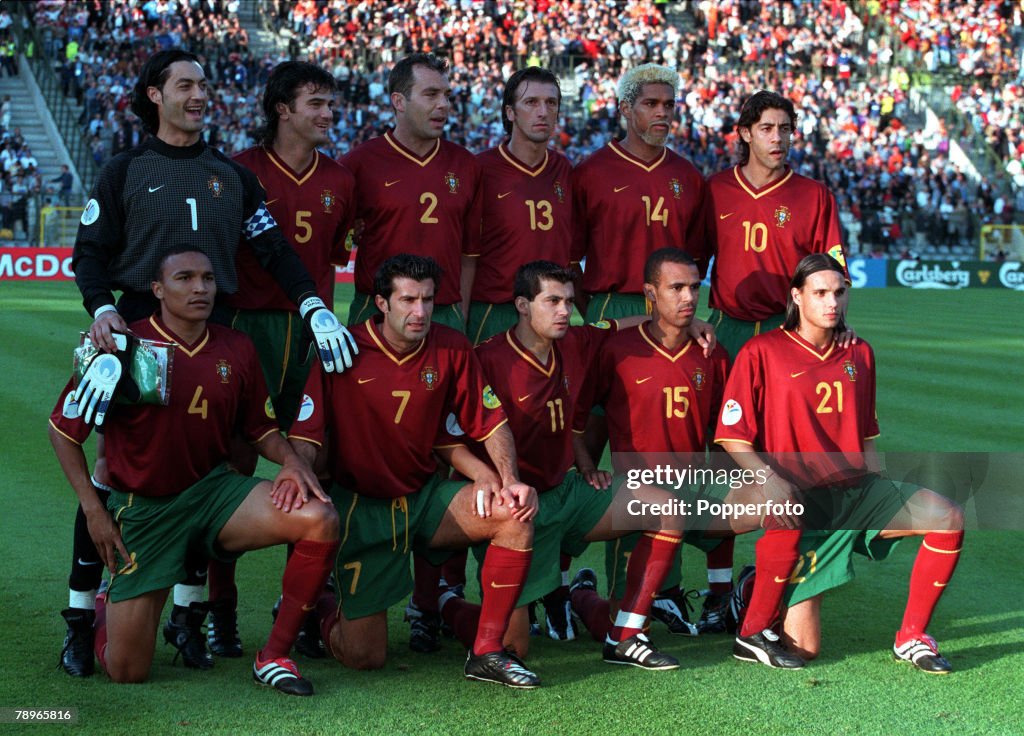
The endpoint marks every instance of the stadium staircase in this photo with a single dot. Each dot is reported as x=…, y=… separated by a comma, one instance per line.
x=262, y=39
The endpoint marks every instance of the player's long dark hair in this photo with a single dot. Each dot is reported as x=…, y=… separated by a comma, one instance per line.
x=154, y=73
x=405, y=265
x=811, y=264
x=529, y=74
x=751, y=112
x=283, y=86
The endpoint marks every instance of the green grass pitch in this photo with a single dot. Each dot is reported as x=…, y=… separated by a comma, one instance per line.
x=950, y=378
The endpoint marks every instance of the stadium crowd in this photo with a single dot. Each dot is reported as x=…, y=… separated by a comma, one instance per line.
x=896, y=185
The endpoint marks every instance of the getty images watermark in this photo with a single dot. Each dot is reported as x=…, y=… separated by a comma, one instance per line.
x=682, y=479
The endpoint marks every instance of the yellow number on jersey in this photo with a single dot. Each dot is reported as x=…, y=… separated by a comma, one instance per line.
x=302, y=226
x=404, y=396
x=677, y=404
x=755, y=236
x=658, y=214
x=557, y=419
x=198, y=405
x=429, y=199
x=543, y=207
x=356, y=568
x=825, y=391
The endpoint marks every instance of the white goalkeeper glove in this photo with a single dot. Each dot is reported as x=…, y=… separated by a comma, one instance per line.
x=97, y=386
x=334, y=344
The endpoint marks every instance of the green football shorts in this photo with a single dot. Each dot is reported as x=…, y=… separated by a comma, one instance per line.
x=609, y=305
x=487, y=320
x=158, y=532
x=733, y=333
x=285, y=356
x=372, y=570
x=567, y=514
x=363, y=307
x=859, y=515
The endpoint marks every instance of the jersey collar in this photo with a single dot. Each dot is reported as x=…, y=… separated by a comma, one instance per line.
x=398, y=358
x=419, y=161
x=754, y=191
x=165, y=331
x=645, y=333
x=511, y=159
x=647, y=166
x=822, y=356
x=530, y=358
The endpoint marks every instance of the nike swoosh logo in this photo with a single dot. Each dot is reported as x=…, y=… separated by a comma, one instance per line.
x=361, y=381
x=781, y=580
x=796, y=375
x=510, y=585
x=524, y=398
x=502, y=196
x=722, y=217
x=643, y=380
x=306, y=609
x=271, y=201
x=619, y=189
x=391, y=183
x=87, y=564
x=936, y=583
x=154, y=189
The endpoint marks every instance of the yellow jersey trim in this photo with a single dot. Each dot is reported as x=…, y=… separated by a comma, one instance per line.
x=399, y=148
x=511, y=159
x=384, y=349
x=754, y=193
x=645, y=165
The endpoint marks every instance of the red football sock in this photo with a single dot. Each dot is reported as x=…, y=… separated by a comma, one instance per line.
x=464, y=618
x=303, y=580
x=933, y=568
x=775, y=555
x=454, y=570
x=99, y=645
x=327, y=612
x=425, y=580
x=594, y=612
x=221, y=579
x=720, y=567
x=501, y=577
x=647, y=568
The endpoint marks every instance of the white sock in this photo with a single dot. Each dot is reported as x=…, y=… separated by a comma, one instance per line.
x=720, y=575
x=82, y=599
x=187, y=594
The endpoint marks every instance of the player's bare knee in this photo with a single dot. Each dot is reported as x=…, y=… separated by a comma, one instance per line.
x=365, y=659
x=127, y=672
x=320, y=522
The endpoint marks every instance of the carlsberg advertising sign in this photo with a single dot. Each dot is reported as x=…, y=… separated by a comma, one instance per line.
x=955, y=274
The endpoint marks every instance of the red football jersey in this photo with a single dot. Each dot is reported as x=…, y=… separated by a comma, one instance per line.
x=759, y=237
x=429, y=206
x=626, y=209
x=217, y=389
x=784, y=396
x=526, y=216
x=657, y=401
x=383, y=414
x=315, y=211
x=540, y=400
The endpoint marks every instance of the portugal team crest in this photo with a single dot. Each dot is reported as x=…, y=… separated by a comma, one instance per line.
x=699, y=379
x=850, y=370
x=782, y=216
x=676, y=188
x=223, y=370
x=559, y=192
x=215, y=186
x=327, y=200
x=429, y=377
x=452, y=182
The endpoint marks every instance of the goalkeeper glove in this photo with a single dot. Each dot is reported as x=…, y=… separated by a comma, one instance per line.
x=334, y=344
